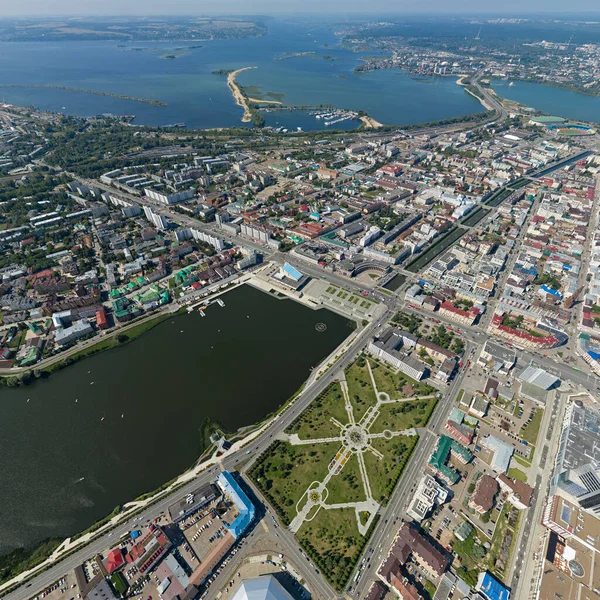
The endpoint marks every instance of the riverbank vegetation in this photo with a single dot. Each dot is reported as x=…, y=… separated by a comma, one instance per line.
x=84, y=91
x=20, y=560
x=113, y=341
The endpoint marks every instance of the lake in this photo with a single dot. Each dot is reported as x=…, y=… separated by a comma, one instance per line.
x=203, y=100
x=113, y=426
x=552, y=100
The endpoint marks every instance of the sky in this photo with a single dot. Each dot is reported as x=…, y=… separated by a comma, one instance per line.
x=253, y=7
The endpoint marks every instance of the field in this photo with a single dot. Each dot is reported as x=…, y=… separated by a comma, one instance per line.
x=286, y=471
x=397, y=384
x=315, y=421
x=530, y=432
x=403, y=415
x=347, y=486
x=473, y=218
x=498, y=198
x=386, y=473
x=474, y=557
x=332, y=540
x=360, y=389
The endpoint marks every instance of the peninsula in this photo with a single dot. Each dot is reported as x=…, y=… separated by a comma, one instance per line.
x=83, y=91
x=238, y=96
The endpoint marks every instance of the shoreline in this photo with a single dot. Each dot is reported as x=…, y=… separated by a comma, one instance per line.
x=207, y=459
x=238, y=96
x=370, y=122
x=460, y=81
x=83, y=91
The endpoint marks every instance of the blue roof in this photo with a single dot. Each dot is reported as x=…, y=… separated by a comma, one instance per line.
x=552, y=291
x=491, y=588
x=593, y=354
x=292, y=272
x=243, y=504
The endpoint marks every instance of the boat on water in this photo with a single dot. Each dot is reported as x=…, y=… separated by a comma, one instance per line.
x=511, y=84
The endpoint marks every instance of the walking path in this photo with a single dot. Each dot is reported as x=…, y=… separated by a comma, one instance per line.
x=355, y=440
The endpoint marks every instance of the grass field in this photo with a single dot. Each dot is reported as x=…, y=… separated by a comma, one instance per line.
x=347, y=486
x=397, y=417
x=384, y=473
x=497, y=198
x=315, y=421
x=333, y=542
x=530, y=432
x=360, y=388
x=477, y=215
x=514, y=473
x=504, y=533
x=286, y=471
x=394, y=382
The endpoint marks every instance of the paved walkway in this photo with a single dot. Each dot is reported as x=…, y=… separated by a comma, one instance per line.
x=355, y=439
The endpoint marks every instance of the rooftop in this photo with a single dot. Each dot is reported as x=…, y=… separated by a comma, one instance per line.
x=261, y=588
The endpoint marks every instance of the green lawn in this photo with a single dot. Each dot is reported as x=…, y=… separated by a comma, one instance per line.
x=19, y=338
x=521, y=460
x=504, y=533
x=360, y=388
x=517, y=474
x=470, y=551
x=284, y=472
x=384, y=473
x=333, y=542
x=315, y=421
x=393, y=382
x=530, y=432
x=403, y=415
x=348, y=485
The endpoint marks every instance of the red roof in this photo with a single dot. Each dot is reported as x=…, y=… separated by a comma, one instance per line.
x=114, y=560
x=101, y=318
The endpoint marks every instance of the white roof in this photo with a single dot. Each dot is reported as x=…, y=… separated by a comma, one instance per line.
x=502, y=453
x=538, y=377
x=261, y=588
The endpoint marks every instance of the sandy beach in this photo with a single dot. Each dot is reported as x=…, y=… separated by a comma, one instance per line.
x=239, y=98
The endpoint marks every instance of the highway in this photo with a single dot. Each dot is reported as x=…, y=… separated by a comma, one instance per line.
x=229, y=461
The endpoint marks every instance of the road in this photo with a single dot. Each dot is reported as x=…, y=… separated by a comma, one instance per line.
x=387, y=528
x=228, y=462
x=532, y=530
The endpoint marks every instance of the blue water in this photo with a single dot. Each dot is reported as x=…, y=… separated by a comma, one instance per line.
x=551, y=100
x=202, y=100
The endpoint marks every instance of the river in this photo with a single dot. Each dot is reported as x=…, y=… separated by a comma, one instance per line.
x=201, y=99
x=551, y=100
x=118, y=424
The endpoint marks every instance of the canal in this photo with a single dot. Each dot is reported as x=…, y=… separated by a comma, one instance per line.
x=118, y=424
